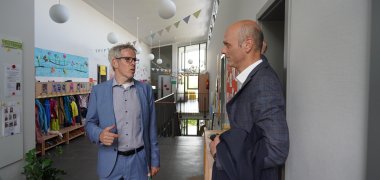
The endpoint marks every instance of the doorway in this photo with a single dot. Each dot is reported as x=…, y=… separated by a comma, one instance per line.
x=273, y=20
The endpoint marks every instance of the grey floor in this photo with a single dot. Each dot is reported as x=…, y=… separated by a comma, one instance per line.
x=181, y=159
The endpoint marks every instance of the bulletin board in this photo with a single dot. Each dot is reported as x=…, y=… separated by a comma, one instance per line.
x=11, y=88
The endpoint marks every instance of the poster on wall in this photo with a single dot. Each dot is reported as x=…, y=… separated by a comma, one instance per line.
x=13, y=76
x=55, y=64
x=231, y=84
x=10, y=118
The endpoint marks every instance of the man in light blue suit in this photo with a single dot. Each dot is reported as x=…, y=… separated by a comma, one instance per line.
x=121, y=119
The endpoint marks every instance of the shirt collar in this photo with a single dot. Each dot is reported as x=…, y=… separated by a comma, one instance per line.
x=244, y=74
x=125, y=85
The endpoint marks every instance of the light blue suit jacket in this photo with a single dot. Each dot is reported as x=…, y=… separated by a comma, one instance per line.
x=101, y=114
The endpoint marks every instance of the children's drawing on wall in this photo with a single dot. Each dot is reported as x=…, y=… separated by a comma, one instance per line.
x=44, y=88
x=55, y=64
x=231, y=84
x=13, y=78
x=141, y=73
x=11, y=119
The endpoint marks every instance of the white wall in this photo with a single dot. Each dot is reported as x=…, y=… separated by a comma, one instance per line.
x=327, y=107
x=226, y=15
x=327, y=84
x=84, y=33
x=16, y=19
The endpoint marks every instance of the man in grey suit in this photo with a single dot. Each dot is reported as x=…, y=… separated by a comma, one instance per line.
x=258, y=142
x=121, y=119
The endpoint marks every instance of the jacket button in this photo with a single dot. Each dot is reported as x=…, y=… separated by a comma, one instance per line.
x=114, y=149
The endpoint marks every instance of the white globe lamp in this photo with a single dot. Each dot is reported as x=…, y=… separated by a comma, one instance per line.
x=59, y=13
x=151, y=56
x=166, y=9
x=159, y=61
x=112, y=38
x=190, y=61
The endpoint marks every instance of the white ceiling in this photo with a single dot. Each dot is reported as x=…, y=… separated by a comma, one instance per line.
x=127, y=11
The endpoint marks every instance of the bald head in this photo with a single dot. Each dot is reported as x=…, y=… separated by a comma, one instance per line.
x=248, y=29
x=242, y=44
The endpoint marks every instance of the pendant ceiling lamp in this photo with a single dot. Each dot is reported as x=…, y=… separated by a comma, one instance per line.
x=112, y=37
x=151, y=55
x=166, y=9
x=190, y=61
x=59, y=13
x=159, y=60
x=137, y=46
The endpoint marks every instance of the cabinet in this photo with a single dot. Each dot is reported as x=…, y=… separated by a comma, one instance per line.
x=53, y=140
x=56, y=89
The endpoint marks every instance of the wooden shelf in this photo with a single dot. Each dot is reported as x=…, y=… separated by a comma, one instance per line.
x=61, y=94
x=53, y=140
x=76, y=135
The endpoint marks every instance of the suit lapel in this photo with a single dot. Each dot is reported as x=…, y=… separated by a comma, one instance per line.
x=142, y=97
x=263, y=64
x=109, y=99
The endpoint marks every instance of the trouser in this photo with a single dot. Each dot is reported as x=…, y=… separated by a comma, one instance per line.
x=133, y=167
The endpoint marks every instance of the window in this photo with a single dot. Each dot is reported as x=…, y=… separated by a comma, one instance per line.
x=192, y=58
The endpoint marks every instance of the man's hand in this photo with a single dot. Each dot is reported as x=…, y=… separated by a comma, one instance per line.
x=154, y=171
x=213, y=145
x=107, y=137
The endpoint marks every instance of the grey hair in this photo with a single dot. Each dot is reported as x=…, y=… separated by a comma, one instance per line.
x=115, y=51
x=253, y=31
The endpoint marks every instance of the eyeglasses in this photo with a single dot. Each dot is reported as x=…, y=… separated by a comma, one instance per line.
x=129, y=59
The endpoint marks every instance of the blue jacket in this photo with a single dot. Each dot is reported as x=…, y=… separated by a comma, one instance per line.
x=101, y=114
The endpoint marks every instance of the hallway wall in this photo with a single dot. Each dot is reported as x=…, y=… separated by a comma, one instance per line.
x=373, y=156
x=82, y=35
x=327, y=107
x=17, y=20
x=327, y=83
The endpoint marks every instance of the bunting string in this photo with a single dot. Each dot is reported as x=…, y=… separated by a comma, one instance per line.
x=186, y=19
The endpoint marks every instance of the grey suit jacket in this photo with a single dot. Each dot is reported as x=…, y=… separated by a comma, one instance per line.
x=259, y=137
x=101, y=114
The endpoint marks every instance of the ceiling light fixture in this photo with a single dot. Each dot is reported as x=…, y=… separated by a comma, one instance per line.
x=151, y=55
x=112, y=37
x=59, y=13
x=159, y=60
x=166, y=9
x=190, y=61
x=137, y=45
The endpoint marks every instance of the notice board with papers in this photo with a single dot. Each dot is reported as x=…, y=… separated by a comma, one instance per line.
x=11, y=96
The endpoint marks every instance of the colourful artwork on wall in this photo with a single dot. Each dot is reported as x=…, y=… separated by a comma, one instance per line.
x=55, y=64
x=231, y=84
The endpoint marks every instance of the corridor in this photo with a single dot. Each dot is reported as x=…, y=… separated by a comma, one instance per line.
x=181, y=159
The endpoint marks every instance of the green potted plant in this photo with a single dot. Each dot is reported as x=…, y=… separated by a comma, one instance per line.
x=40, y=168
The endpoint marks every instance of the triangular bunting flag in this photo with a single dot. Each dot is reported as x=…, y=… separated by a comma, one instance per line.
x=176, y=24
x=168, y=28
x=196, y=14
x=134, y=42
x=160, y=32
x=152, y=36
x=186, y=19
